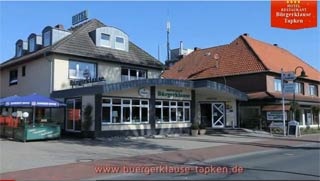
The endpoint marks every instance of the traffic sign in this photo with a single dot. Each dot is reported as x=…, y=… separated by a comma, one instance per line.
x=289, y=88
x=289, y=76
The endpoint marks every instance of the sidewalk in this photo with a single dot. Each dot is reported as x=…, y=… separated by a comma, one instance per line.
x=180, y=150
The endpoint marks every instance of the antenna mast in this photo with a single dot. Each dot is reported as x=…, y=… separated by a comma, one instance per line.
x=168, y=44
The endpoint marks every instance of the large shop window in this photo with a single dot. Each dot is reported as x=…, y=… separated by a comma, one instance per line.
x=125, y=111
x=172, y=111
x=82, y=70
x=132, y=74
x=13, y=77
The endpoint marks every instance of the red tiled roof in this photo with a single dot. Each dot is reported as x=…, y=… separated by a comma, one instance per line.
x=242, y=56
x=275, y=58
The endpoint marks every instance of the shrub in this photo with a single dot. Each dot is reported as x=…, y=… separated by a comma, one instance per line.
x=202, y=126
x=195, y=126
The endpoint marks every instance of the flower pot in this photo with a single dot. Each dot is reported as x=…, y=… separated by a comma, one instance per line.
x=202, y=131
x=194, y=132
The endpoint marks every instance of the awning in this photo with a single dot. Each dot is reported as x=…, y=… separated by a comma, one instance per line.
x=275, y=108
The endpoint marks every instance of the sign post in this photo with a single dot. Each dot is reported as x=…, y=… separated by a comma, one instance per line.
x=283, y=111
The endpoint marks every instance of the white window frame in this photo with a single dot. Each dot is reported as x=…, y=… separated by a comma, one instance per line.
x=276, y=86
x=136, y=77
x=122, y=106
x=103, y=42
x=116, y=44
x=175, y=105
x=313, y=90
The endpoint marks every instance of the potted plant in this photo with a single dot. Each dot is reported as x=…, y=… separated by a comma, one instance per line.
x=194, y=129
x=87, y=120
x=202, y=128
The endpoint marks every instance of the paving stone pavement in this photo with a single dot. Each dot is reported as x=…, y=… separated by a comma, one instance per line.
x=73, y=159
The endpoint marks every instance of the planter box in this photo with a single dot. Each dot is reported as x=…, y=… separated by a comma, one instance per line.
x=202, y=131
x=194, y=132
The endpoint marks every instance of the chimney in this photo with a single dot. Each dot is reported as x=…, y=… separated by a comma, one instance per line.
x=275, y=45
x=181, y=48
x=59, y=26
x=245, y=34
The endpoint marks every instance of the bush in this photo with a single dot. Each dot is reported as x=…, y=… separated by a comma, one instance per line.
x=194, y=126
x=202, y=126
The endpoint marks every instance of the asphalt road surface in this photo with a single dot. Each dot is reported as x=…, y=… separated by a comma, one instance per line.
x=297, y=163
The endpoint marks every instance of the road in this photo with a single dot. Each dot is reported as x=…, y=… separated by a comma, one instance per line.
x=297, y=163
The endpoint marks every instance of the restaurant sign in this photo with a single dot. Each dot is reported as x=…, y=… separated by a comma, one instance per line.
x=275, y=115
x=86, y=81
x=173, y=94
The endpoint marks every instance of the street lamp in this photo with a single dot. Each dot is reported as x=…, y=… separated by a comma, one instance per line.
x=302, y=75
x=289, y=76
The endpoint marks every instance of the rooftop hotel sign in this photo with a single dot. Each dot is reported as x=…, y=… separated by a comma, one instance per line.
x=174, y=94
x=294, y=14
x=82, y=16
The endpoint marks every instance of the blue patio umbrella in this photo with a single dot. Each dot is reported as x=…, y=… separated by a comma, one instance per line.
x=33, y=100
x=3, y=100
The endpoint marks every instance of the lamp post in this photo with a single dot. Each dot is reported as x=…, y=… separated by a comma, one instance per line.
x=302, y=75
x=289, y=76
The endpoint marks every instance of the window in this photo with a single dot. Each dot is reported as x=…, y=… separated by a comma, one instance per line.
x=277, y=85
x=172, y=111
x=132, y=74
x=299, y=88
x=47, y=38
x=23, y=71
x=105, y=36
x=105, y=40
x=19, y=50
x=115, y=111
x=81, y=70
x=32, y=44
x=313, y=90
x=119, y=44
x=13, y=77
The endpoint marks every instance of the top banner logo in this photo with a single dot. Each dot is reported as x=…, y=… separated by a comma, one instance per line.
x=294, y=14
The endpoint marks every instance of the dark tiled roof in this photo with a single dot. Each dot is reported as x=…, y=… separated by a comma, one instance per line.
x=79, y=43
x=242, y=56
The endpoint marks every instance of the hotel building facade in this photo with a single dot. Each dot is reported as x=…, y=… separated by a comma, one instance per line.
x=94, y=65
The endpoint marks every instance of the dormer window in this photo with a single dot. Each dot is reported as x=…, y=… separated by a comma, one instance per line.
x=46, y=38
x=120, y=43
x=105, y=40
x=32, y=44
x=19, y=48
x=110, y=37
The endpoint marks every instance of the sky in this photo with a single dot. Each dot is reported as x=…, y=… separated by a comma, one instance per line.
x=198, y=24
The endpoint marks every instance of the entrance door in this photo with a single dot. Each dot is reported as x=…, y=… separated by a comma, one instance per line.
x=218, y=115
x=73, y=115
x=206, y=114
